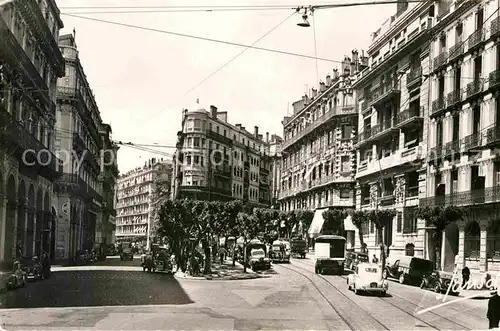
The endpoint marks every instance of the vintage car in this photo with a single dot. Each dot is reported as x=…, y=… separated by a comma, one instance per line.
x=367, y=277
x=33, y=268
x=299, y=247
x=126, y=254
x=280, y=252
x=17, y=278
x=408, y=269
x=256, y=257
x=439, y=282
x=352, y=259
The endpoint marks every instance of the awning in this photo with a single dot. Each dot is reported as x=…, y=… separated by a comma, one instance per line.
x=348, y=224
x=317, y=223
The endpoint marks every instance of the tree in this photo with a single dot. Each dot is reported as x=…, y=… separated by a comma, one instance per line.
x=381, y=218
x=161, y=194
x=230, y=211
x=334, y=221
x=439, y=218
x=360, y=218
x=307, y=217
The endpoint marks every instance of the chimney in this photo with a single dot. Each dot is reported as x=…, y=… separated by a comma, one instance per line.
x=267, y=137
x=213, y=111
x=256, y=131
x=238, y=126
x=322, y=87
x=314, y=93
x=335, y=74
x=328, y=80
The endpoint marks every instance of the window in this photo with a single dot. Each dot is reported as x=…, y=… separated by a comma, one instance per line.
x=345, y=193
x=399, y=222
x=345, y=163
x=410, y=220
x=197, y=124
x=196, y=142
x=346, y=131
x=217, y=129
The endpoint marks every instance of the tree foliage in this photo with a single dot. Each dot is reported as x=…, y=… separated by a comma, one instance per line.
x=334, y=221
x=360, y=219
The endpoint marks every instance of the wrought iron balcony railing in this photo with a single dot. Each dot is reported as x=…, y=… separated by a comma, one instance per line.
x=495, y=27
x=467, y=198
x=440, y=60
x=384, y=91
x=472, y=141
x=414, y=76
x=493, y=135
x=337, y=111
x=412, y=192
x=494, y=79
x=438, y=104
x=407, y=116
x=454, y=97
x=476, y=38
x=456, y=50
x=475, y=87
x=79, y=184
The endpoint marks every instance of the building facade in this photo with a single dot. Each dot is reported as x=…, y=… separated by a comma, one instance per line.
x=464, y=132
x=30, y=63
x=318, y=157
x=83, y=196
x=391, y=145
x=136, y=201
x=216, y=160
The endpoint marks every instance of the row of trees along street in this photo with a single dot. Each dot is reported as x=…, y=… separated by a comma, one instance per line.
x=185, y=224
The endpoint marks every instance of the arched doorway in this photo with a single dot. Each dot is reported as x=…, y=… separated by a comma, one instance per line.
x=472, y=242
x=21, y=219
x=30, y=225
x=53, y=234
x=410, y=250
x=10, y=219
x=39, y=222
x=450, y=245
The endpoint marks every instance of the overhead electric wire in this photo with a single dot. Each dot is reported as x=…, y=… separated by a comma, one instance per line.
x=179, y=7
x=239, y=54
x=200, y=38
x=153, y=11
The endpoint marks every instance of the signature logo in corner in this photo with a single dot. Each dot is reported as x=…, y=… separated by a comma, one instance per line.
x=486, y=282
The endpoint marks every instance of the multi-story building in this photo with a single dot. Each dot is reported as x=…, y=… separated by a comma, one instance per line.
x=136, y=201
x=464, y=130
x=83, y=195
x=30, y=63
x=392, y=98
x=275, y=154
x=318, y=156
x=216, y=160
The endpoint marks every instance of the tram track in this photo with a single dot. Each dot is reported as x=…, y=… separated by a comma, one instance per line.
x=339, y=312
x=407, y=311
x=406, y=301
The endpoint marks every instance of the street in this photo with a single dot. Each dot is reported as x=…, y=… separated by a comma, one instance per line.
x=291, y=298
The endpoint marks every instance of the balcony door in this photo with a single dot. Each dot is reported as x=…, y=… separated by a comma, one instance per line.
x=478, y=67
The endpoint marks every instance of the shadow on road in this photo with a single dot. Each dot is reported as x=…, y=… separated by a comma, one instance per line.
x=98, y=288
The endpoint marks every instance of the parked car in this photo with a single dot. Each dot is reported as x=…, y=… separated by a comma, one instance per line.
x=32, y=267
x=17, y=278
x=409, y=269
x=439, y=282
x=352, y=259
x=367, y=277
x=126, y=254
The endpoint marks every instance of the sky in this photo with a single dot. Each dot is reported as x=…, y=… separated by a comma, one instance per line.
x=141, y=78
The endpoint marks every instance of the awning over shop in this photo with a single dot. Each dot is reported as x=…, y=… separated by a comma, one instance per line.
x=348, y=224
x=317, y=223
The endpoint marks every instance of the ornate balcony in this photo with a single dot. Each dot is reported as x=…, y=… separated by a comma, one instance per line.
x=456, y=50
x=454, y=98
x=471, y=142
x=31, y=153
x=475, y=87
x=493, y=135
x=76, y=184
x=467, y=198
x=384, y=92
x=440, y=60
x=218, y=137
x=414, y=77
x=408, y=117
x=494, y=79
x=476, y=38
x=495, y=27
x=387, y=200
x=337, y=111
x=438, y=105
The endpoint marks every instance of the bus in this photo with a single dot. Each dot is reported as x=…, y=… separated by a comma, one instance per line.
x=329, y=251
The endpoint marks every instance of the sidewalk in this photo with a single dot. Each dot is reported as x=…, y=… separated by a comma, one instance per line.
x=226, y=271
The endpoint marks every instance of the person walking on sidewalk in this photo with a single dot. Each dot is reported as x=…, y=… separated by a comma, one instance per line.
x=222, y=254
x=465, y=276
x=493, y=314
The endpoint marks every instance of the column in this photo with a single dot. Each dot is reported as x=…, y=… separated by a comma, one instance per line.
x=3, y=224
x=488, y=168
x=443, y=249
x=460, y=260
x=431, y=184
x=447, y=180
x=483, y=261
x=464, y=178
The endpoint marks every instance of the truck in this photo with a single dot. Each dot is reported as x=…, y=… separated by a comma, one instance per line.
x=329, y=251
x=126, y=251
x=299, y=247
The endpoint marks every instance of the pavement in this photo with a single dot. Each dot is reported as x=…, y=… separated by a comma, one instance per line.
x=226, y=271
x=109, y=296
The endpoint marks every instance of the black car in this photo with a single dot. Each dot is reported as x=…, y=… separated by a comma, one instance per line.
x=352, y=259
x=33, y=268
x=127, y=254
x=409, y=269
x=439, y=282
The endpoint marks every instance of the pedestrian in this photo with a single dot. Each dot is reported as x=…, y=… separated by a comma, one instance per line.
x=375, y=259
x=222, y=254
x=493, y=314
x=465, y=276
